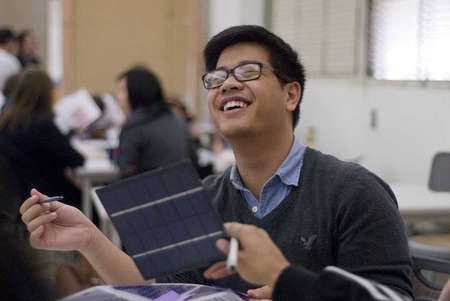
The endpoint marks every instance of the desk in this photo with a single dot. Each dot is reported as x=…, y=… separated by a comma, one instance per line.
x=97, y=169
x=94, y=171
x=418, y=203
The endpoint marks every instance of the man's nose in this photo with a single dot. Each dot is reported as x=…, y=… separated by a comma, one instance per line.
x=231, y=83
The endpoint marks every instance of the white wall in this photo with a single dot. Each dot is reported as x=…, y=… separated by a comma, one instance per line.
x=223, y=14
x=412, y=124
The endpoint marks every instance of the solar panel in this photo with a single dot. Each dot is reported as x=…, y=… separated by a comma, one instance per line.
x=164, y=220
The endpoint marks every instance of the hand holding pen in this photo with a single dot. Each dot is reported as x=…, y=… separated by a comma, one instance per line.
x=258, y=259
x=54, y=225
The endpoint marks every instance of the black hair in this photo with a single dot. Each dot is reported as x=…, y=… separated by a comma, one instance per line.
x=144, y=89
x=282, y=57
x=6, y=35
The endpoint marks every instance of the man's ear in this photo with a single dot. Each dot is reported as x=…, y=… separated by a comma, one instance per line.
x=293, y=92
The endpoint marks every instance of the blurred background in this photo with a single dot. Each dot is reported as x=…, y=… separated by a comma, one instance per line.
x=377, y=93
x=378, y=71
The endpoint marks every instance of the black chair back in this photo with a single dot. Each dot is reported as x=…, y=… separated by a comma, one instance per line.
x=424, y=288
x=440, y=172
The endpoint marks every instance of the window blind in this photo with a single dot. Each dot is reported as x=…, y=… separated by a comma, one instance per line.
x=409, y=39
x=322, y=31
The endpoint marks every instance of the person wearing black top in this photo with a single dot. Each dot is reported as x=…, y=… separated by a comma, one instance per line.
x=34, y=146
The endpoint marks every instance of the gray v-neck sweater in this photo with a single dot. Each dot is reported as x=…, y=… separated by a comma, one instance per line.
x=340, y=214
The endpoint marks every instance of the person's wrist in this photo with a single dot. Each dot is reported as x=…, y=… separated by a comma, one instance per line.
x=93, y=238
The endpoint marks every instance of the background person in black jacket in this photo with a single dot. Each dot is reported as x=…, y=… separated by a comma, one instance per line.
x=152, y=136
x=29, y=138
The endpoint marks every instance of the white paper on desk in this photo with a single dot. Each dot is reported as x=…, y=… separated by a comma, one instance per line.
x=76, y=111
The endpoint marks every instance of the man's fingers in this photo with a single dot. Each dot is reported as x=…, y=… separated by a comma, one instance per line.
x=55, y=205
x=34, y=191
x=28, y=203
x=217, y=271
x=233, y=229
x=41, y=220
x=33, y=212
x=223, y=245
x=216, y=266
x=35, y=235
x=35, y=196
x=264, y=292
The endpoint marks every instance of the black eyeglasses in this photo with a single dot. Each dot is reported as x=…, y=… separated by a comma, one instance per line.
x=243, y=72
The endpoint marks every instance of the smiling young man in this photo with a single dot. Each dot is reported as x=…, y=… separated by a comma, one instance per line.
x=319, y=211
x=255, y=116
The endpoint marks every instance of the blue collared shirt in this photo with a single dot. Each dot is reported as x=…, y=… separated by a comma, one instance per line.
x=276, y=189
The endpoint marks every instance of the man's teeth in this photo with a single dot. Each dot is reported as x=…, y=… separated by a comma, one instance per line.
x=234, y=104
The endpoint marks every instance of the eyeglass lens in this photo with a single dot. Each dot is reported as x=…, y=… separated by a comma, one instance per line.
x=244, y=72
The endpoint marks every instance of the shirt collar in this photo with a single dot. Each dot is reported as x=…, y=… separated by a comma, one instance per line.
x=288, y=172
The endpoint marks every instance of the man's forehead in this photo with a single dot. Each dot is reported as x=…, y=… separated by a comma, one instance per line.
x=236, y=54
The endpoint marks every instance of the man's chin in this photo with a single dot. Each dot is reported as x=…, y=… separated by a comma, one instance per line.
x=234, y=133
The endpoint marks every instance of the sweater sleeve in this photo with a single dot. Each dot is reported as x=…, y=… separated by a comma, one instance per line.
x=332, y=284
x=294, y=283
x=370, y=233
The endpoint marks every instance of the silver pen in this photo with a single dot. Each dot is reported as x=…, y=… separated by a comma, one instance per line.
x=51, y=199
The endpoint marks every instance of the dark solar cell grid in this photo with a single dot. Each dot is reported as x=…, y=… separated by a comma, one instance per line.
x=164, y=235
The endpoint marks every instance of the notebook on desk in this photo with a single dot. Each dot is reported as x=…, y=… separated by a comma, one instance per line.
x=164, y=220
